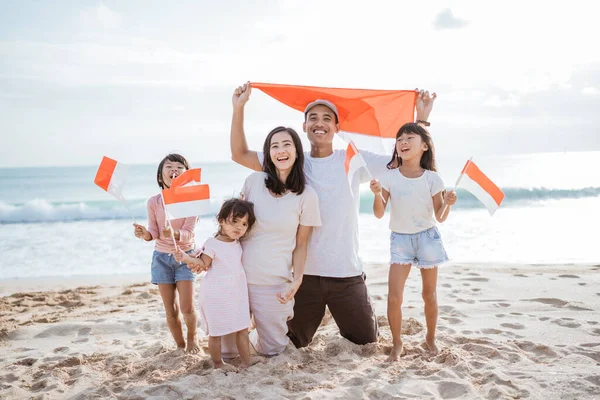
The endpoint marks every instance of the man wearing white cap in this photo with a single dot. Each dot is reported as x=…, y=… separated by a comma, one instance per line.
x=333, y=274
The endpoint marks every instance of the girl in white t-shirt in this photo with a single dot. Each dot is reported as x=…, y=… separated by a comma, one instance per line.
x=224, y=304
x=417, y=197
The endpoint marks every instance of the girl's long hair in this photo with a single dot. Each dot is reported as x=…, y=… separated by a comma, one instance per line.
x=428, y=157
x=295, y=181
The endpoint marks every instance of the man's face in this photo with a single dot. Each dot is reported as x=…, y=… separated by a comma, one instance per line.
x=320, y=125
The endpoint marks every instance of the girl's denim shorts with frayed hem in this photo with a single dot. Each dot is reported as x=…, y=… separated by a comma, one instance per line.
x=422, y=249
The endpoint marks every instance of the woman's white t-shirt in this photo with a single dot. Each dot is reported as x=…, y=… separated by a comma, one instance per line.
x=267, y=256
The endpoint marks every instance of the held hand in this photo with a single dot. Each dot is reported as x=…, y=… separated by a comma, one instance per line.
x=167, y=231
x=290, y=293
x=375, y=186
x=241, y=95
x=450, y=197
x=197, y=268
x=424, y=104
x=139, y=231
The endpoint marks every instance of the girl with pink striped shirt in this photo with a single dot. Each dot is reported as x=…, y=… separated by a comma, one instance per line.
x=224, y=303
x=171, y=276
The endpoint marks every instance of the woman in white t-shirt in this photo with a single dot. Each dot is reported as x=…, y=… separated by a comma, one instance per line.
x=416, y=193
x=275, y=250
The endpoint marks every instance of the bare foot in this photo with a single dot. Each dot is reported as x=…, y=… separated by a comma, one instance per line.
x=252, y=324
x=192, y=346
x=225, y=367
x=397, y=351
x=253, y=360
x=430, y=346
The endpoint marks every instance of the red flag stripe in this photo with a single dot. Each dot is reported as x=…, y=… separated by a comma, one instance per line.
x=105, y=172
x=186, y=193
x=482, y=180
x=191, y=175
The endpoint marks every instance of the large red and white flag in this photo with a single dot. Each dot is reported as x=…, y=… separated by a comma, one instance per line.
x=112, y=177
x=472, y=179
x=353, y=163
x=186, y=201
x=369, y=118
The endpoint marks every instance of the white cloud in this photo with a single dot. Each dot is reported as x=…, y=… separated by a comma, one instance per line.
x=590, y=91
x=446, y=20
x=497, y=102
x=100, y=17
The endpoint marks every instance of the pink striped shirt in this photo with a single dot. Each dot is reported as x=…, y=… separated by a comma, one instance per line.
x=156, y=222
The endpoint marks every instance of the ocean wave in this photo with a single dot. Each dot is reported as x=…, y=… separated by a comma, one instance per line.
x=513, y=197
x=41, y=210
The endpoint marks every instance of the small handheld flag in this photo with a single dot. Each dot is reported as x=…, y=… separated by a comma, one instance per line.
x=112, y=178
x=472, y=179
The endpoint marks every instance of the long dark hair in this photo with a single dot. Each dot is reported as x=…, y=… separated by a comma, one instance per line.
x=295, y=181
x=173, y=157
x=428, y=157
x=235, y=209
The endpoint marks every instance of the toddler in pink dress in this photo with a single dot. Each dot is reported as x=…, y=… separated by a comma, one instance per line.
x=224, y=304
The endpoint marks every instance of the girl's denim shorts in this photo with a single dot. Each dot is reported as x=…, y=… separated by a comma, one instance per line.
x=422, y=249
x=165, y=270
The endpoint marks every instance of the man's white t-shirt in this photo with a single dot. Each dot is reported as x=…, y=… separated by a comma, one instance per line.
x=333, y=247
x=268, y=248
x=411, y=203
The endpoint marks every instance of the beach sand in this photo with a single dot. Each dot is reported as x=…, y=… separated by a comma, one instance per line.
x=504, y=331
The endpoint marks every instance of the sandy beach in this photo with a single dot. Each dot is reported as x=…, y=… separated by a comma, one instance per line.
x=505, y=332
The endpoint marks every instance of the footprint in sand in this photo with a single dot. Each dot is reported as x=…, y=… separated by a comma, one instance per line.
x=452, y=321
x=592, y=322
x=513, y=326
x=544, y=318
x=446, y=285
x=500, y=315
x=453, y=390
x=491, y=331
x=521, y=275
x=502, y=305
x=9, y=378
x=516, y=313
x=477, y=279
x=468, y=301
x=61, y=350
x=475, y=289
x=84, y=331
x=550, y=301
x=596, y=332
x=466, y=284
x=566, y=322
x=568, y=276
x=590, y=344
x=595, y=379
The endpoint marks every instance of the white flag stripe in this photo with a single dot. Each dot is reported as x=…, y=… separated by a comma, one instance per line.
x=373, y=144
x=118, y=180
x=467, y=183
x=356, y=163
x=187, y=209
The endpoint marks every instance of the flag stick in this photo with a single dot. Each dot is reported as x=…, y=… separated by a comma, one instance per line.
x=168, y=221
x=128, y=209
x=371, y=178
x=365, y=165
x=455, y=186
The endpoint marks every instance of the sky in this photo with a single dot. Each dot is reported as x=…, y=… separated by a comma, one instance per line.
x=135, y=80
